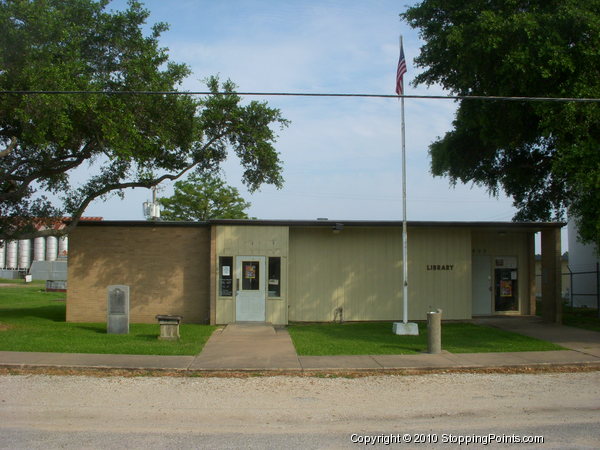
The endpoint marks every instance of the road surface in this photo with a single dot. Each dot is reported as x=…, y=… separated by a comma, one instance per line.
x=40, y=411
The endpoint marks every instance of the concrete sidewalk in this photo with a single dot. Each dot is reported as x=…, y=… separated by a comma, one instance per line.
x=260, y=347
x=246, y=347
x=580, y=340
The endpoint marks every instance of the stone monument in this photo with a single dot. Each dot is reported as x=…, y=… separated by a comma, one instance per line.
x=117, y=309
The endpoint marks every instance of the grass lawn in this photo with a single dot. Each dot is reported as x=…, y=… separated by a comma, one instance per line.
x=376, y=338
x=581, y=318
x=586, y=318
x=32, y=320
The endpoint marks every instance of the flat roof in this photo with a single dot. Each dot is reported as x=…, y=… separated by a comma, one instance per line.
x=325, y=223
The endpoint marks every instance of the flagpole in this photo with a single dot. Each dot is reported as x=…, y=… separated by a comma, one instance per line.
x=405, y=327
x=404, y=227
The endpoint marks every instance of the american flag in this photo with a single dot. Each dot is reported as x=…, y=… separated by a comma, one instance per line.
x=401, y=71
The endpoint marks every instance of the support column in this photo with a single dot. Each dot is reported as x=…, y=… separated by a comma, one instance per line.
x=213, y=276
x=531, y=270
x=551, y=276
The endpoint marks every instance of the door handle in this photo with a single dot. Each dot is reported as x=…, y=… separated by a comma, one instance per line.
x=237, y=284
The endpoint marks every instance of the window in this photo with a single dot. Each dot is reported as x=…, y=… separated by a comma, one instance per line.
x=275, y=277
x=225, y=276
x=250, y=275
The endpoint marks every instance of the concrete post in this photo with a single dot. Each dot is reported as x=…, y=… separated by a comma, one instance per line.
x=434, y=331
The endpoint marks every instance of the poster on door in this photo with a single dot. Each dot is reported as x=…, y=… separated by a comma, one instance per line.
x=506, y=288
x=250, y=271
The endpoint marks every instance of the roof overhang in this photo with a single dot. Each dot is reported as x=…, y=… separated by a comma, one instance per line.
x=513, y=226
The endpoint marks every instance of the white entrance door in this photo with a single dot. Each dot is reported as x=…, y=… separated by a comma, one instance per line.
x=481, y=270
x=251, y=293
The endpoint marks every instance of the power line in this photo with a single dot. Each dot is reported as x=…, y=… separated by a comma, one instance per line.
x=314, y=94
x=383, y=198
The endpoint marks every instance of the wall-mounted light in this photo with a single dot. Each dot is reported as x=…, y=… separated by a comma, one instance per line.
x=338, y=227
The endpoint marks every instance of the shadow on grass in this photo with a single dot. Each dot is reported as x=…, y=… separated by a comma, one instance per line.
x=378, y=338
x=54, y=313
x=101, y=330
x=355, y=338
x=148, y=337
x=98, y=330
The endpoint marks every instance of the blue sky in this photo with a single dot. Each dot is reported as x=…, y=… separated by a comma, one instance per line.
x=341, y=156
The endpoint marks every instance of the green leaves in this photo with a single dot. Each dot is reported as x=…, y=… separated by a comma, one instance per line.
x=533, y=151
x=247, y=129
x=201, y=197
x=129, y=140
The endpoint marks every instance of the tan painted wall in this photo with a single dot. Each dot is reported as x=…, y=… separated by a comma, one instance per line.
x=167, y=269
x=449, y=290
x=254, y=241
x=360, y=270
x=494, y=243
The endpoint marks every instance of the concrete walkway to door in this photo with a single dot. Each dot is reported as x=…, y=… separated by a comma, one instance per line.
x=248, y=346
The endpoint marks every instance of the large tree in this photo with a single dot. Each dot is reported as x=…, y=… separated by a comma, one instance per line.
x=545, y=155
x=203, y=196
x=125, y=140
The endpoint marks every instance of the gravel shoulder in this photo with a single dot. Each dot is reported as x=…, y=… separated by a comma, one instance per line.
x=427, y=403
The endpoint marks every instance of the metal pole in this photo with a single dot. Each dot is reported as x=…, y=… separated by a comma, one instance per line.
x=570, y=285
x=404, y=231
x=598, y=288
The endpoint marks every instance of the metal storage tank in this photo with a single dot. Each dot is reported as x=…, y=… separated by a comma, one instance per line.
x=39, y=249
x=51, y=248
x=2, y=258
x=24, y=253
x=11, y=255
x=63, y=246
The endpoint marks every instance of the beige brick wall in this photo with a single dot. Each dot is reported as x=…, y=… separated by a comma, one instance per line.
x=166, y=267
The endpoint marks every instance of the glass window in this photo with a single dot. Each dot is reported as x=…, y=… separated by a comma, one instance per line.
x=225, y=276
x=250, y=275
x=275, y=277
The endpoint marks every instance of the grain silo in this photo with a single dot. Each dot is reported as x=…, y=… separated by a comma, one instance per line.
x=63, y=246
x=11, y=255
x=24, y=257
x=51, y=248
x=39, y=249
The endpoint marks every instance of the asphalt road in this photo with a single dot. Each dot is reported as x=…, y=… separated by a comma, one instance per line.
x=38, y=411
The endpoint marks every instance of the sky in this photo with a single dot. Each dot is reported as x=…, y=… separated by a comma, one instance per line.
x=341, y=156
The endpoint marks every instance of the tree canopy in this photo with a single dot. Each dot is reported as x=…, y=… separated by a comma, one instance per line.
x=127, y=140
x=203, y=196
x=545, y=155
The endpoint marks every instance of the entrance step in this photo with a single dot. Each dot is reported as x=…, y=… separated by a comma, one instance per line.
x=249, y=329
